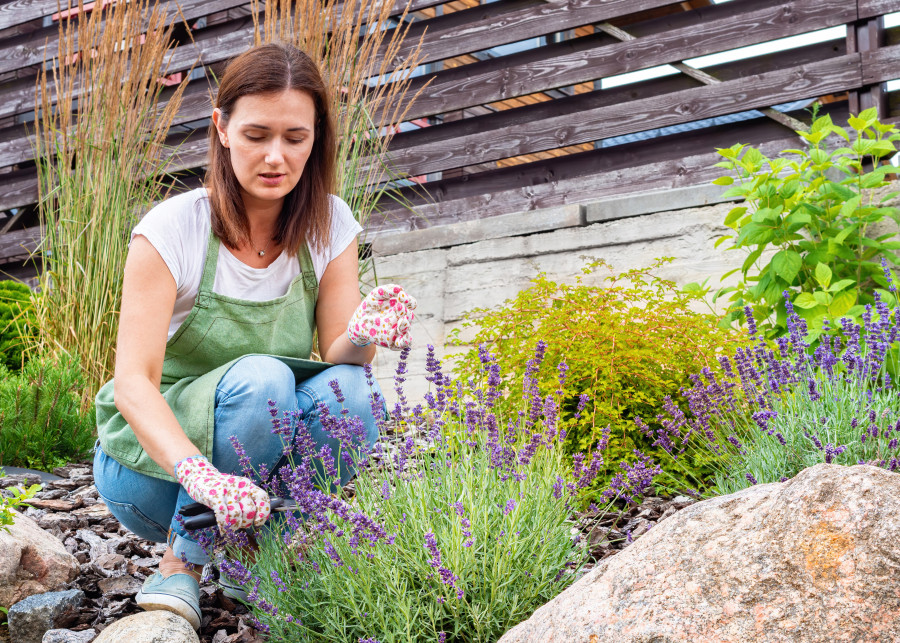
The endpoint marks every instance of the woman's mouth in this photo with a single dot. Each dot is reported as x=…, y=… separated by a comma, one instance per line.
x=271, y=178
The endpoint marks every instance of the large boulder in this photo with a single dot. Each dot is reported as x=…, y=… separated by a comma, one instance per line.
x=813, y=559
x=31, y=562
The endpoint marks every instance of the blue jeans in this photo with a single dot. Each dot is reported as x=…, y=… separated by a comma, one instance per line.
x=147, y=506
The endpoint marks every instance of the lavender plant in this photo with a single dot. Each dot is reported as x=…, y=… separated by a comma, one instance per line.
x=457, y=535
x=767, y=414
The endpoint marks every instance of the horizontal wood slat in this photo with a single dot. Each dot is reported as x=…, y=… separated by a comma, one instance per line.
x=570, y=128
x=34, y=51
x=19, y=243
x=731, y=31
x=678, y=160
x=872, y=8
x=446, y=37
x=881, y=65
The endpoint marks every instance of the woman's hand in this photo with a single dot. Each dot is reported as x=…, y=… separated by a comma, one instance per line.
x=236, y=501
x=384, y=318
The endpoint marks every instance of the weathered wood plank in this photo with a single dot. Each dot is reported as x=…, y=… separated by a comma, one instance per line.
x=19, y=243
x=742, y=27
x=678, y=160
x=460, y=33
x=16, y=147
x=570, y=128
x=217, y=44
x=872, y=8
x=21, y=11
x=34, y=50
x=881, y=65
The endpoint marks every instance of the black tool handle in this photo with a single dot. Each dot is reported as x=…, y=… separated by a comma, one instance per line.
x=199, y=516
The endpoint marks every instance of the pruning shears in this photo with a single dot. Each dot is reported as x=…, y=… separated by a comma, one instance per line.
x=198, y=516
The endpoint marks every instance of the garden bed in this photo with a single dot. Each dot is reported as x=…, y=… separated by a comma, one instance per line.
x=114, y=562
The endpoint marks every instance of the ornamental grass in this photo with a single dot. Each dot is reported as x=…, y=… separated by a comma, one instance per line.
x=770, y=412
x=458, y=535
x=100, y=143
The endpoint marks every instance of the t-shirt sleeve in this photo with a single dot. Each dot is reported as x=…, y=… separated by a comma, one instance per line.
x=344, y=229
x=161, y=226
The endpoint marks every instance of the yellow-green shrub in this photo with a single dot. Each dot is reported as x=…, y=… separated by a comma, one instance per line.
x=628, y=341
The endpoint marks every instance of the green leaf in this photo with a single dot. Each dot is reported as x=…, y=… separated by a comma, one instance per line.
x=869, y=116
x=823, y=275
x=842, y=303
x=850, y=206
x=787, y=264
x=723, y=180
x=805, y=300
x=822, y=297
x=750, y=260
x=843, y=234
x=722, y=240
x=840, y=285
x=734, y=214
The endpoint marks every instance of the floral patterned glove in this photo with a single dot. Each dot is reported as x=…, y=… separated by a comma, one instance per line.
x=383, y=318
x=236, y=501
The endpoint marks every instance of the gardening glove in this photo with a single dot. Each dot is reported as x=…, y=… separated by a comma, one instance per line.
x=236, y=501
x=384, y=318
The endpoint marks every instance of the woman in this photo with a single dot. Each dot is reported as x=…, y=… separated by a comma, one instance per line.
x=224, y=287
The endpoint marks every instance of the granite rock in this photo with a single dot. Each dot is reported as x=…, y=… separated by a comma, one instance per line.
x=149, y=627
x=30, y=618
x=31, y=562
x=815, y=559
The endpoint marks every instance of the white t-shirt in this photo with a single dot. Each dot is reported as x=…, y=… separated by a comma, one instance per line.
x=179, y=230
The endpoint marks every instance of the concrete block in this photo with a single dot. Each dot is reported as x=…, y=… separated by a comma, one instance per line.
x=454, y=234
x=655, y=201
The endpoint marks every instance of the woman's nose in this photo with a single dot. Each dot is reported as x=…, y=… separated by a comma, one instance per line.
x=274, y=153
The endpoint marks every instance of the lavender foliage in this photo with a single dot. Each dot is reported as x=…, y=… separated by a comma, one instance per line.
x=456, y=534
x=770, y=412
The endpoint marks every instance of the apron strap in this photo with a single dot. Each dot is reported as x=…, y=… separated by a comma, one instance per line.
x=209, y=271
x=309, y=272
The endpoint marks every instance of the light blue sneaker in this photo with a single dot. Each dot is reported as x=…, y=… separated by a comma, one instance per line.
x=179, y=594
x=230, y=588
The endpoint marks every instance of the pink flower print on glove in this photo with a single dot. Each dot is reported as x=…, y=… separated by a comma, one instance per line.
x=236, y=501
x=384, y=318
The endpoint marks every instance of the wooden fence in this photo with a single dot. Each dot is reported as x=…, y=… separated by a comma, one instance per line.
x=518, y=115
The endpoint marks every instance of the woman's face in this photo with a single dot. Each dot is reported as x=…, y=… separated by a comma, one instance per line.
x=270, y=137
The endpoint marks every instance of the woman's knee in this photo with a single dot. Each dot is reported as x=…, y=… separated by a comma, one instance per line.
x=356, y=394
x=256, y=379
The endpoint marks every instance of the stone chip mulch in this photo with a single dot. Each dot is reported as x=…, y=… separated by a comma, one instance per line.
x=114, y=562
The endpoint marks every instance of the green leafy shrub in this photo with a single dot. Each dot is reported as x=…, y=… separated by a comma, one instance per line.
x=42, y=424
x=16, y=322
x=827, y=255
x=628, y=342
x=7, y=504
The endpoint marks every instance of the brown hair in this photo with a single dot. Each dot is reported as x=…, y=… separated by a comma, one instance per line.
x=306, y=213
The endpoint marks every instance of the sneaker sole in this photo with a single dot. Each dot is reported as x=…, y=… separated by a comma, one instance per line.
x=169, y=603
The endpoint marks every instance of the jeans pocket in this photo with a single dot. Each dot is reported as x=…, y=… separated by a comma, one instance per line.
x=135, y=520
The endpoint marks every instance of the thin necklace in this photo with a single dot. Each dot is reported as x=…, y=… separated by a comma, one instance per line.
x=261, y=253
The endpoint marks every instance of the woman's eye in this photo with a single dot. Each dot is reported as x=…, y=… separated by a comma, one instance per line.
x=253, y=138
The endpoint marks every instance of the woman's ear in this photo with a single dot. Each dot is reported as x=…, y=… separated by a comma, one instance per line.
x=218, y=121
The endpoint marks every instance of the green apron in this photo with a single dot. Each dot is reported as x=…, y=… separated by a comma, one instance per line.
x=217, y=332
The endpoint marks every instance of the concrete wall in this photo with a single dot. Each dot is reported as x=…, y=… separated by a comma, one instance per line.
x=452, y=269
